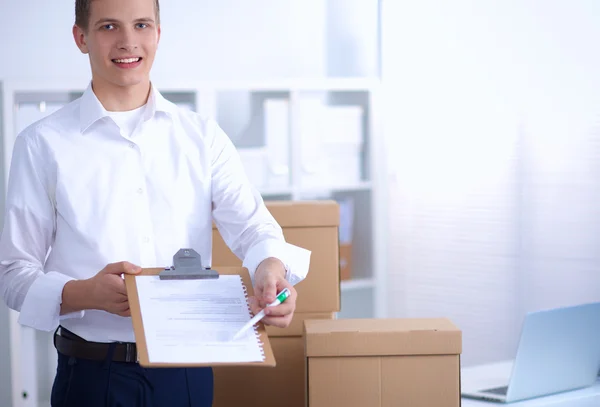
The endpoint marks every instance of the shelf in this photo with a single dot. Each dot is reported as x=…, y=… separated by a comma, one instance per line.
x=320, y=190
x=324, y=84
x=265, y=192
x=362, y=186
x=243, y=103
x=357, y=284
x=192, y=87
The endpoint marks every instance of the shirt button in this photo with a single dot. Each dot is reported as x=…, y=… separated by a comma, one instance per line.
x=131, y=145
x=140, y=191
x=146, y=239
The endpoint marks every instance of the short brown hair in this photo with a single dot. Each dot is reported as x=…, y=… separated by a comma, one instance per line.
x=83, y=10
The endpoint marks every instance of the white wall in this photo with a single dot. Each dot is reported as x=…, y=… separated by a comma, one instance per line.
x=201, y=39
x=352, y=31
x=206, y=39
x=492, y=119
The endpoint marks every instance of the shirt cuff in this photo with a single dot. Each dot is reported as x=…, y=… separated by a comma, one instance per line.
x=41, y=307
x=296, y=260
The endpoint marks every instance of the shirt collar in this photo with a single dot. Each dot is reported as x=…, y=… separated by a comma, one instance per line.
x=157, y=103
x=91, y=110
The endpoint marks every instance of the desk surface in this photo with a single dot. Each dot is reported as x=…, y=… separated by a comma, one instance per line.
x=471, y=376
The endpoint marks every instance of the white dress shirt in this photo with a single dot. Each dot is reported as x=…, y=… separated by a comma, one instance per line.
x=83, y=194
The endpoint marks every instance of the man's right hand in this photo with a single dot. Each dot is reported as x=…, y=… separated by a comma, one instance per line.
x=105, y=291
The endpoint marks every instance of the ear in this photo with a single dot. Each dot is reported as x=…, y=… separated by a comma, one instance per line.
x=158, y=37
x=80, y=39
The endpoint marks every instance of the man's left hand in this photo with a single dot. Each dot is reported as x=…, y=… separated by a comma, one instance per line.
x=269, y=280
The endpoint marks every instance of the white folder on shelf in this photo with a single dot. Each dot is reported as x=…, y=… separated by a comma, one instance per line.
x=277, y=131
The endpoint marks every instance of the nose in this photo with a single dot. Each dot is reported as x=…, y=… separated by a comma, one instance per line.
x=127, y=40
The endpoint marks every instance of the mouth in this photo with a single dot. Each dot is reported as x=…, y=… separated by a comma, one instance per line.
x=127, y=62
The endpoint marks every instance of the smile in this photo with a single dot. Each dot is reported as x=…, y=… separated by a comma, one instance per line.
x=128, y=62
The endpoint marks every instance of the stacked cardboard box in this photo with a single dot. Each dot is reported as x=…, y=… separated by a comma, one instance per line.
x=313, y=226
x=383, y=363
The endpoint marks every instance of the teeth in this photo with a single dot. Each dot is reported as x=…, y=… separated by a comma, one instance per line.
x=126, y=61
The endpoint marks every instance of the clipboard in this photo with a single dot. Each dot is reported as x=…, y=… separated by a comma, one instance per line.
x=140, y=335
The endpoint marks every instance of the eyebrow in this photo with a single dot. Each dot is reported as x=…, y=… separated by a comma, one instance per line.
x=114, y=20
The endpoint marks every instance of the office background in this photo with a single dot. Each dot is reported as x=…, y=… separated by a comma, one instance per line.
x=206, y=40
x=492, y=127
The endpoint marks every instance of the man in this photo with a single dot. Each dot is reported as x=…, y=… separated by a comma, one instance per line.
x=118, y=180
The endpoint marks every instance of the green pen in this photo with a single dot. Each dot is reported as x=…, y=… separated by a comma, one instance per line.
x=281, y=297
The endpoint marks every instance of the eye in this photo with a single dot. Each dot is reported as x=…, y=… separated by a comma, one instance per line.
x=108, y=27
x=141, y=25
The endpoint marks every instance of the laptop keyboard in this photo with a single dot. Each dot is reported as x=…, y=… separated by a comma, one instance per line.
x=497, y=390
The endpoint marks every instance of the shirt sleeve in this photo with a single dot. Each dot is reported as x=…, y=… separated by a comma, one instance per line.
x=243, y=220
x=29, y=226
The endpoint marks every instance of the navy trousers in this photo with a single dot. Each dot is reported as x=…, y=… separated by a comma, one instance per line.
x=88, y=383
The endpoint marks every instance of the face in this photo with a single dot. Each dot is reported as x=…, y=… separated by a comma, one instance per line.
x=121, y=40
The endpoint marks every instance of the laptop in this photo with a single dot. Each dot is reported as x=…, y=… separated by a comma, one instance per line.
x=559, y=350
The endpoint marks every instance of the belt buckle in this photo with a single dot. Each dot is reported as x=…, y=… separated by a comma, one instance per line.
x=131, y=352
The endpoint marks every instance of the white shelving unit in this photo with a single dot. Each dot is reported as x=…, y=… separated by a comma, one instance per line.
x=239, y=107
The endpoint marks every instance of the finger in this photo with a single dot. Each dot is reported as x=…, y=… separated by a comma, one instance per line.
x=122, y=306
x=258, y=292
x=254, y=305
x=281, y=285
x=278, y=321
x=269, y=291
x=120, y=288
x=129, y=268
x=123, y=267
x=283, y=309
x=121, y=309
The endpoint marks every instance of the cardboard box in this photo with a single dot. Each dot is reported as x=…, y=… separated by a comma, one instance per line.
x=249, y=387
x=296, y=327
x=312, y=225
x=269, y=387
x=345, y=261
x=383, y=362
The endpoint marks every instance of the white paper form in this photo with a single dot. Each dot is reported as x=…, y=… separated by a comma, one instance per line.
x=192, y=321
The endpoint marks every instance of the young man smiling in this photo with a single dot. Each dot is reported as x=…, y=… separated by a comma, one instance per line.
x=117, y=180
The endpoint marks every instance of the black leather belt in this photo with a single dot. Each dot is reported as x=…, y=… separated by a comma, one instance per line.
x=69, y=344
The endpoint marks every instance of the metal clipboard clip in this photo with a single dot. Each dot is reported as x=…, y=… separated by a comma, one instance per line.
x=187, y=265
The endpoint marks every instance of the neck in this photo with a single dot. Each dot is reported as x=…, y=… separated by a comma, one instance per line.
x=121, y=98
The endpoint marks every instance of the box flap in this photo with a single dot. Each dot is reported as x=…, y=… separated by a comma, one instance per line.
x=304, y=213
x=382, y=337
x=296, y=327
